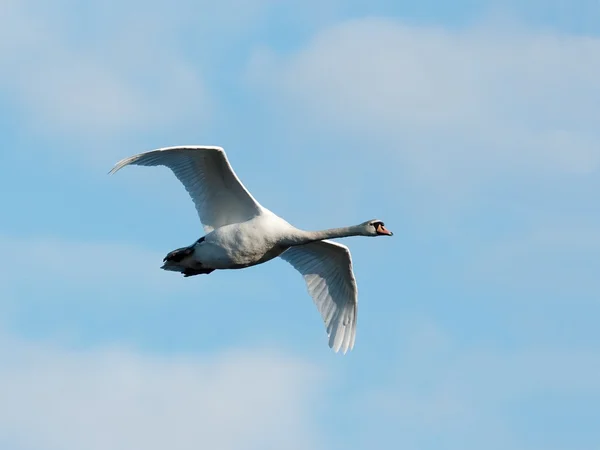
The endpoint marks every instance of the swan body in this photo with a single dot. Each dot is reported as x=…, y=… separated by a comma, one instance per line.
x=242, y=233
x=240, y=245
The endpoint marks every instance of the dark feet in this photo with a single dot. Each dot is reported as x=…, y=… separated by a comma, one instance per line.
x=192, y=272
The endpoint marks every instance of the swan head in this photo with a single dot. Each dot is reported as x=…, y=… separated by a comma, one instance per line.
x=376, y=227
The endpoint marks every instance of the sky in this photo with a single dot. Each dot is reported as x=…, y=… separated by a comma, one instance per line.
x=469, y=127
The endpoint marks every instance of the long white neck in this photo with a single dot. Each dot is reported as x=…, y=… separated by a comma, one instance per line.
x=301, y=237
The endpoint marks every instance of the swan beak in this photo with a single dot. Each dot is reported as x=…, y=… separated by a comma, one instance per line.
x=383, y=230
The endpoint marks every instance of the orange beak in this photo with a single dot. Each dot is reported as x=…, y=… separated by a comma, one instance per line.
x=383, y=230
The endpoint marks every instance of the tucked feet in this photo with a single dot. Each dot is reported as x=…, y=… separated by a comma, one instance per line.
x=192, y=272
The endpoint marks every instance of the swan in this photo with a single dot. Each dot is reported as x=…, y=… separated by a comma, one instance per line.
x=240, y=232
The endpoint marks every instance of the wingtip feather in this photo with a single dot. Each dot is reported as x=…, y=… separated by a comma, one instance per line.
x=342, y=331
x=124, y=162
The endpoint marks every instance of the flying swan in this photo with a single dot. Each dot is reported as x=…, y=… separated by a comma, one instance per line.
x=242, y=233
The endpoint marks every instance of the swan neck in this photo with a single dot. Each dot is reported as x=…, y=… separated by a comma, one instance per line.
x=306, y=237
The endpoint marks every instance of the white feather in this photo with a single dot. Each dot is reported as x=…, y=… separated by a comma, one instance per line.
x=219, y=196
x=327, y=270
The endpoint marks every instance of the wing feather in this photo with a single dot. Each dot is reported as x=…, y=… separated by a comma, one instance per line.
x=218, y=194
x=327, y=270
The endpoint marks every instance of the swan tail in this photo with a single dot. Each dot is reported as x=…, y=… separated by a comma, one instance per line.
x=181, y=260
x=179, y=255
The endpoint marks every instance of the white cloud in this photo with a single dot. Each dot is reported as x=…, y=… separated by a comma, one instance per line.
x=59, y=399
x=449, y=103
x=79, y=81
x=465, y=393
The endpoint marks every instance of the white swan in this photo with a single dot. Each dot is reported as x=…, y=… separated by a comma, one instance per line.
x=242, y=233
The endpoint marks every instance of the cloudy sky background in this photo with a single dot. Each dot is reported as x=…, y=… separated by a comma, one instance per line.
x=470, y=128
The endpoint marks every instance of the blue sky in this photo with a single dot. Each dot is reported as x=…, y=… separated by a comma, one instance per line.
x=470, y=129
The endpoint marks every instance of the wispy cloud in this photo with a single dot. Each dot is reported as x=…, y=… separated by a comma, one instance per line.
x=464, y=393
x=341, y=121
x=451, y=104
x=125, y=75
x=55, y=398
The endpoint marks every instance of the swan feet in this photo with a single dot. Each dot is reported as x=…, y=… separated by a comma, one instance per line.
x=192, y=272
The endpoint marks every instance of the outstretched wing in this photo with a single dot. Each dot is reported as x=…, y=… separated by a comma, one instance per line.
x=219, y=195
x=327, y=269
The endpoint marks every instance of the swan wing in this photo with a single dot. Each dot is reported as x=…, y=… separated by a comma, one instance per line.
x=218, y=194
x=327, y=270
